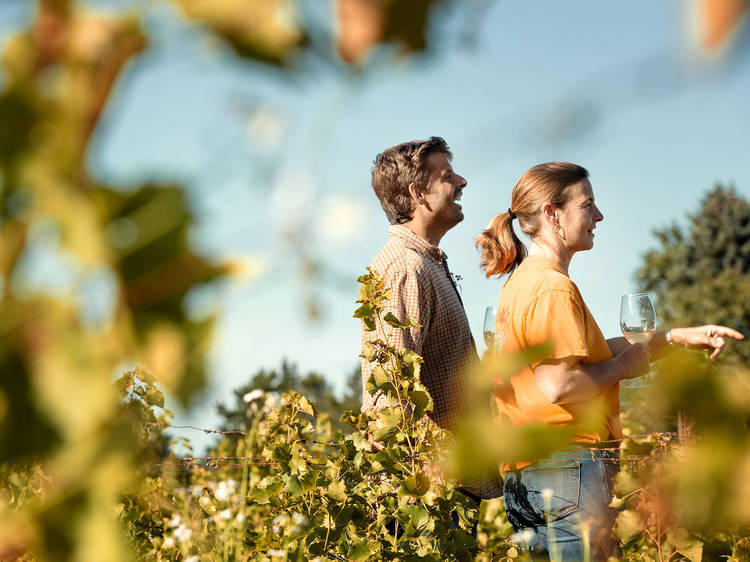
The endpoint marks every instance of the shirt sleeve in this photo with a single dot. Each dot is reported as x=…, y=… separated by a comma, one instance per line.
x=557, y=317
x=412, y=296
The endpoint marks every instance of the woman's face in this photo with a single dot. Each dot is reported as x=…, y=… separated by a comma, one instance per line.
x=578, y=217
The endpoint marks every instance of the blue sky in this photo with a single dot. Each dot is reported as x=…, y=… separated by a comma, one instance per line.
x=611, y=87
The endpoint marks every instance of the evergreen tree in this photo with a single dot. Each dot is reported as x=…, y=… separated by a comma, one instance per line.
x=312, y=385
x=701, y=274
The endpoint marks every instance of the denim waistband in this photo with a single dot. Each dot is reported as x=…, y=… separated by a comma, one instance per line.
x=585, y=454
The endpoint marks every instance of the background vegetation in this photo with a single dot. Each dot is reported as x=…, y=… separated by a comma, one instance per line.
x=85, y=461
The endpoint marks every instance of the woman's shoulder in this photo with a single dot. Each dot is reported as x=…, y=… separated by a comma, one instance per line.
x=539, y=275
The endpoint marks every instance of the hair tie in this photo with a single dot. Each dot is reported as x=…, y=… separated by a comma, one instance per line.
x=512, y=214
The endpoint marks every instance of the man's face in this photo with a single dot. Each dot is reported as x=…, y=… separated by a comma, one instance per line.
x=443, y=192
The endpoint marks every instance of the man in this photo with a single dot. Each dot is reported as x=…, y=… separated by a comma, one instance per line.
x=419, y=192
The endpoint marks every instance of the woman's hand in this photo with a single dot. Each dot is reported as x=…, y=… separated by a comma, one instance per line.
x=709, y=337
x=634, y=360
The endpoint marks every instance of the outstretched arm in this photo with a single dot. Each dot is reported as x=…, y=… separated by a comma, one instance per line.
x=710, y=337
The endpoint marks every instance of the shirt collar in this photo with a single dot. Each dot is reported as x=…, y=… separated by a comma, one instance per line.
x=416, y=242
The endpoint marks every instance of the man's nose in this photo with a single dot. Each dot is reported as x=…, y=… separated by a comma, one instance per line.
x=461, y=181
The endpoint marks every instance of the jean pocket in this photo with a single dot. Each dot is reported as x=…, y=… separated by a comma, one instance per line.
x=553, y=490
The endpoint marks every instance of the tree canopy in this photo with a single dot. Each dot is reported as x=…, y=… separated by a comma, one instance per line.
x=700, y=272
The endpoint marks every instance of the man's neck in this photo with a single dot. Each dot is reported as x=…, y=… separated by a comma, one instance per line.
x=425, y=231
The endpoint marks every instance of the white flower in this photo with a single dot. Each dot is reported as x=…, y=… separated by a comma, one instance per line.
x=298, y=519
x=175, y=520
x=547, y=493
x=524, y=536
x=224, y=490
x=196, y=490
x=193, y=558
x=169, y=542
x=240, y=517
x=274, y=552
x=226, y=514
x=252, y=395
x=182, y=533
x=272, y=401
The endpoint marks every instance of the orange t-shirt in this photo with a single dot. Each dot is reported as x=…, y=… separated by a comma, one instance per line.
x=540, y=304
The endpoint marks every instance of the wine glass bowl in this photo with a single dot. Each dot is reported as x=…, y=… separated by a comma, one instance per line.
x=638, y=324
x=637, y=317
x=488, y=327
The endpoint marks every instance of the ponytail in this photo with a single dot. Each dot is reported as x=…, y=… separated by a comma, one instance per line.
x=501, y=251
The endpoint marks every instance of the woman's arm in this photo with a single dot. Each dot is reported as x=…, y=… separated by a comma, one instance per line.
x=708, y=337
x=569, y=381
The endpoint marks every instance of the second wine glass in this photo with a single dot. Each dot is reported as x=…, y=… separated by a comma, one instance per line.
x=488, y=329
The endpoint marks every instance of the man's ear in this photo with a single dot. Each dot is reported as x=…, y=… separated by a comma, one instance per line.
x=416, y=194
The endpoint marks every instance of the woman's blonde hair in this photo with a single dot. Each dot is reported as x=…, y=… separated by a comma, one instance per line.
x=501, y=250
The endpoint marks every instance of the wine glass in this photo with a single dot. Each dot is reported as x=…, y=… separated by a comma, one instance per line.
x=638, y=323
x=488, y=329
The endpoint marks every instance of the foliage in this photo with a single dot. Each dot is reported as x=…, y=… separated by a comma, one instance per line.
x=701, y=274
x=303, y=490
x=685, y=498
x=69, y=448
x=314, y=386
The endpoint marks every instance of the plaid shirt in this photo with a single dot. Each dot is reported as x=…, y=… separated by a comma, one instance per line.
x=423, y=288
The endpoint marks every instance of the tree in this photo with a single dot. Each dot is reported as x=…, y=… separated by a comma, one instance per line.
x=701, y=273
x=313, y=386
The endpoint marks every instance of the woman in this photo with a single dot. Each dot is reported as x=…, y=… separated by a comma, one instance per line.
x=565, y=497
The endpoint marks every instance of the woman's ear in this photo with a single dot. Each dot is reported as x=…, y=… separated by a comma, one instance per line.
x=548, y=211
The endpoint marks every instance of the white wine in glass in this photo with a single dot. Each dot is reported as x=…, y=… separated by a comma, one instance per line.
x=488, y=329
x=638, y=324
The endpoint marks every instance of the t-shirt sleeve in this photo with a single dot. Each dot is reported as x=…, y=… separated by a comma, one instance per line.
x=557, y=317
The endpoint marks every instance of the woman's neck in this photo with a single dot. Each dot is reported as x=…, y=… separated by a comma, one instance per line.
x=556, y=253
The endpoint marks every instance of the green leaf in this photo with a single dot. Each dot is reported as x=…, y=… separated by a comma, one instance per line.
x=369, y=351
x=625, y=483
x=416, y=517
x=378, y=380
x=393, y=321
x=386, y=423
x=154, y=397
x=628, y=526
x=337, y=491
x=293, y=487
x=421, y=399
x=410, y=357
x=360, y=551
x=686, y=544
x=309, y=480
x=415, y=485
x=638, y=447
x=364, y=311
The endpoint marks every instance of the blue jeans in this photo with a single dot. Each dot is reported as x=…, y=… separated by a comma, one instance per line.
x=556, y=502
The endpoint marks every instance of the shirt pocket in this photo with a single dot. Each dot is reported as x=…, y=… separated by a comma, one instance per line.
x=553, y=488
